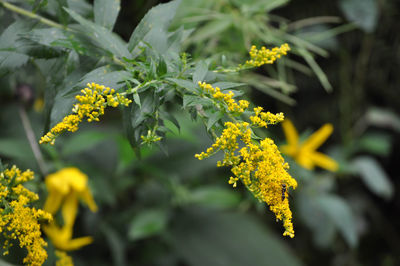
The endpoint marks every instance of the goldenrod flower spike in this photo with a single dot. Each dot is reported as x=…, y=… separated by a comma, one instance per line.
x=18, y=221
x=65, y=188
x=259, y=166
x=305, y=153
x=91, y=105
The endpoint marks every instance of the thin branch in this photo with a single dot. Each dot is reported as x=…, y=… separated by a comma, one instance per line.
x=32, y=15
x=32, y=140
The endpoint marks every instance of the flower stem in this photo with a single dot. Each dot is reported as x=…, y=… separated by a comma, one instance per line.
x=32, y=140
x=32, y=15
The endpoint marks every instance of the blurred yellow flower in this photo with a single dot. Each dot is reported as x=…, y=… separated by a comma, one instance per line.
x=65, y=188
x=305, y=153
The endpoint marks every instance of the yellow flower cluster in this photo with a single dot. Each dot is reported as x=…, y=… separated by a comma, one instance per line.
x=260, y=166
x=263, y=119
x=92, y=103
x=19, y=221
x=227, y=98
x=266, y=56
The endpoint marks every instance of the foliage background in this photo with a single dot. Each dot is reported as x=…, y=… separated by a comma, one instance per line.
x=175, y=210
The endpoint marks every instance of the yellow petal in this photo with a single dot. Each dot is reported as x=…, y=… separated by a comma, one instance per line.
x=76, y=179
x=318, y=137
x=324, y=161
x=53, y=201
x=57, y=235
x=76, y=243
x=303, y=159
x=69, y=209
x=88, y=199
x=290, y=132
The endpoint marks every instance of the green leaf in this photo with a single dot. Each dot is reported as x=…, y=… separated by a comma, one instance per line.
x=227, y=85
x=374, y=176
x=103, y=76
x=155, y=22
x=200, y=72
x=102, y=36
x=215, y=197
x=185, y=84
x=205, y=237
x=376, y=143
x=10, y=57
x=116, y=244
x=211, y=29
x=147, y=223
x=341, y=215
x=136, y=99
x=383, y=118
x=214, y=118
x=106, y=12
x=82, y=141
x=362, y=12
x=191, y=100
x=16, y=149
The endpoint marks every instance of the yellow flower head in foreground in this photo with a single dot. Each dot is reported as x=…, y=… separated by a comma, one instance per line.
x=266, y=56
x=19, y=221
x=91, y=104
x=65, y=188
x=305, y=153
x=259, y=166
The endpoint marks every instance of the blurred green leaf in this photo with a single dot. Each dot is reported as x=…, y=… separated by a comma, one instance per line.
x=341, y=215
x=204, y=237
x=374, y=176
x=10, y=57
x=200, y=72
x=147, y=223
x=155, y=22
x=213, y=28
x=383, y=118
x=16, y=149
x=115, y=243
x=106, y=12
x=215, y=197
x=82, y=141
x=102, y=36
x=376, y=143
x=362, y=12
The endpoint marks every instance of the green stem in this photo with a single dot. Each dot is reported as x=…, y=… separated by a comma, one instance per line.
x=32, y=15
x=32, y=140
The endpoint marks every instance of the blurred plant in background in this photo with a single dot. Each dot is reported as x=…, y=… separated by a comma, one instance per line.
x=227, y=29
x=157, y=204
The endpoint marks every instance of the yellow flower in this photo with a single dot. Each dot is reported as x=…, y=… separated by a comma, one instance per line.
x=225, y=98
x=305, y=153
x=259, y=166
x=65, y=188
x=18, y=221
x=92, y=103
x=266, y=56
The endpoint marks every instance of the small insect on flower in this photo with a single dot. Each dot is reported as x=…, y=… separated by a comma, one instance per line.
x=283, y=191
